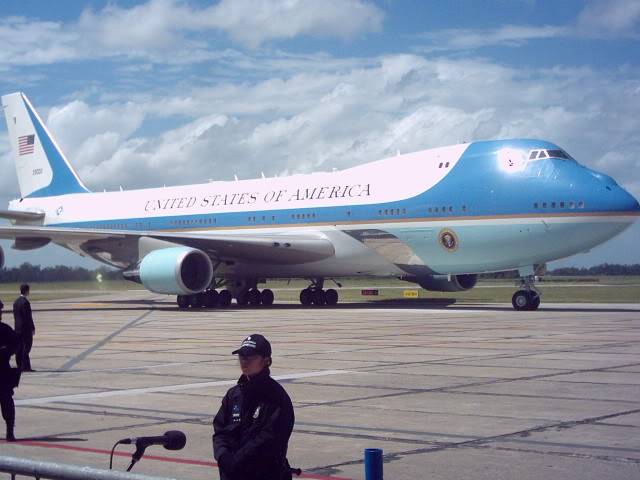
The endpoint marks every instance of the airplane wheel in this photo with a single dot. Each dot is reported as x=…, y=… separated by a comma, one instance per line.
x=331, y=296
x=319, y=297
x=520, y=300
x=305, y=297
x=266, y=297
x=253, y=297
x=211, y=299
x=224, y=298
x=242, y=299
x=183, y=301
x=534, y=301
x=196, y=301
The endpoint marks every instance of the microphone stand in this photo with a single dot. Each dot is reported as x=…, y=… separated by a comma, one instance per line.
x=137, y=455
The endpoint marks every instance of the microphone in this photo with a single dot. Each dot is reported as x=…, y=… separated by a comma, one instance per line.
x=171, y=440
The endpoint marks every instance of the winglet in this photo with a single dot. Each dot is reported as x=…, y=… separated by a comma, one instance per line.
x=42, y=168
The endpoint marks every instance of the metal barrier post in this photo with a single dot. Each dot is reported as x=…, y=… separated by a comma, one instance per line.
x=373, y=464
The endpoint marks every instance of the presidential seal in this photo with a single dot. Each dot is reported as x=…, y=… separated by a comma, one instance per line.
x=448, y=240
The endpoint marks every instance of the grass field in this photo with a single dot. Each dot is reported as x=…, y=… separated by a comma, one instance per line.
x=617, y=289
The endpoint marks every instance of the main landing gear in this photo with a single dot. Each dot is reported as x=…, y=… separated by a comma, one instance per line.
x=527, y=297
x=244, y=291
x=315, y=295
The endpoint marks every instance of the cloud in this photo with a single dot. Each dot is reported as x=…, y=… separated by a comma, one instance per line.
x=253, y=23
x=610, y=18
x=599, y=18
x=505, y=36
x=174, y=32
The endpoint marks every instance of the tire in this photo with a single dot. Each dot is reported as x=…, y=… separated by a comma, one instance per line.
x=211, y=299
x=197, y=300
x=305, y=297
x=319, y=297
x=224, y=298
x=534, y=300
x=266, y=297
x=242, y=299
x=331, y=296
x=520, y=300
x=182, y=301
x=253, y=297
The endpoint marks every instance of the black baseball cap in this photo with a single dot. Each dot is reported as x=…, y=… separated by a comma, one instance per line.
x=254, y=344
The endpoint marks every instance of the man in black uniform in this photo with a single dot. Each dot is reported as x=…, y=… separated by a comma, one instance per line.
x=8, y=346
x=25, y=329
x=254, y=423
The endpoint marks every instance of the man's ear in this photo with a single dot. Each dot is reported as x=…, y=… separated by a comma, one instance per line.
x=269, y=361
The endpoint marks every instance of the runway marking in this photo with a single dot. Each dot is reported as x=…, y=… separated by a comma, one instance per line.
x=104, y=341
x=183, y=461
x=166, y=388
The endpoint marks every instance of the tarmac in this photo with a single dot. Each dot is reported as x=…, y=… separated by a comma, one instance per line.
x=447, y=391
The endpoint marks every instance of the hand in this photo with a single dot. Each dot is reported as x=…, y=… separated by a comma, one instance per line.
x=225, y=462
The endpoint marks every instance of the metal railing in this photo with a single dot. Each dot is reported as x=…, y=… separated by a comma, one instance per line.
x=60, y=471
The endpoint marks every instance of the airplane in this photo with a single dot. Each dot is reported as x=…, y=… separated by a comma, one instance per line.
x=436, y=218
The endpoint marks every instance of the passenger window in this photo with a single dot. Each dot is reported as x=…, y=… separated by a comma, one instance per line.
x=544, y=204
x=580, y=204
x=553, y=204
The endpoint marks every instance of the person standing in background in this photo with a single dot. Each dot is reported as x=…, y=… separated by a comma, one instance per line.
x=25, y=328
x=9, y=377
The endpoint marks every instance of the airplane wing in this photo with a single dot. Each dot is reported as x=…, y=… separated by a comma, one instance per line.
x=122, y=246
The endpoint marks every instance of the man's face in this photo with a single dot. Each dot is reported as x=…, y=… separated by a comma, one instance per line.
x=252, y=364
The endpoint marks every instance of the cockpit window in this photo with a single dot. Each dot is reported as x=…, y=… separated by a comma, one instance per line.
x=556, y=153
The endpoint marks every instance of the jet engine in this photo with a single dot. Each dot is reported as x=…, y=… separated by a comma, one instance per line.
x=176, y=270
x=447, y=283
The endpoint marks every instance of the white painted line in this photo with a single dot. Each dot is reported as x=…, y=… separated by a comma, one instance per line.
x=166, y=388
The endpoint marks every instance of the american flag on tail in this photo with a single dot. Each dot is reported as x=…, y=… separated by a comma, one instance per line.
x=26, y=144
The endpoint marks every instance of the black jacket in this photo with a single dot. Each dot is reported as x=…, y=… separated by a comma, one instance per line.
x=8, y=346
x=252, y=430
x=22, y=316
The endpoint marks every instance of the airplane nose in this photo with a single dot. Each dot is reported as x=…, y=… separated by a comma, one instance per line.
x=626, y=202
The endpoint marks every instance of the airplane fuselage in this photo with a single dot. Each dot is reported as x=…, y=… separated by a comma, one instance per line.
x=469, y=208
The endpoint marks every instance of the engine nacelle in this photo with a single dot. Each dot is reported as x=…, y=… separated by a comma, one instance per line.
x=176, y=270
x=448, y=283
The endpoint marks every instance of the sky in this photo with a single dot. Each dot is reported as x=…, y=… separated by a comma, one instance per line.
x=169, y=92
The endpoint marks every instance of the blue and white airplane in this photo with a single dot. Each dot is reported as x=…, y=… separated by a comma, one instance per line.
x=437, y=217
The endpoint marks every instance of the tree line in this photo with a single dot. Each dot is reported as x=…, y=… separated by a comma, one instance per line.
x=60, y=273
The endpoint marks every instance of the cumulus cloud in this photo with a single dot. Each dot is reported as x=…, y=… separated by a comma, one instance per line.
x=171, y=31
x=253, y=23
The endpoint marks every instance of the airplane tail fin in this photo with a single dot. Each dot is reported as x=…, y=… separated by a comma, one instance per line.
x=42, y=168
